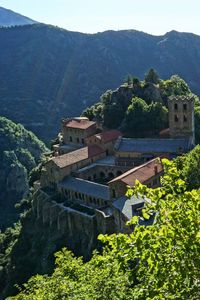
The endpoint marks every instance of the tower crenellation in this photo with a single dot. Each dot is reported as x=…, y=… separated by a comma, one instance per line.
x=181, y=117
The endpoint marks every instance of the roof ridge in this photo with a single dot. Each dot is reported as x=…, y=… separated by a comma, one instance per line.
x=133, y=170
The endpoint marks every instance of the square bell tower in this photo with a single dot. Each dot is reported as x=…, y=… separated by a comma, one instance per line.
x=181, y=117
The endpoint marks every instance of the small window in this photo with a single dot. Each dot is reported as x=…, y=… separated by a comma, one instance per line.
x=176, y=118
x=113, y=193
x=82, y=140
x=77, y=140
x=185, y=106
x=184, y=118
x=70, y=138
x=176, y=106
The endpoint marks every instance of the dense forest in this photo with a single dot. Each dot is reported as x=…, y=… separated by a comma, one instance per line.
x=160, y=261
x=48, y=73
x=20, y=152
x=138, y=103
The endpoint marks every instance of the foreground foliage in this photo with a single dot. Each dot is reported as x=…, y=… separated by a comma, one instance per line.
x=160, y=261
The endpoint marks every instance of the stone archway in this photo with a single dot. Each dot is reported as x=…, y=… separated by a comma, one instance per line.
x=118, y=173
x=102, y=175
x=110, y=176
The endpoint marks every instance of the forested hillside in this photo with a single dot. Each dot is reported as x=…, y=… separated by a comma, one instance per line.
x=48, y=73
x=20, y=152
x=137, y=103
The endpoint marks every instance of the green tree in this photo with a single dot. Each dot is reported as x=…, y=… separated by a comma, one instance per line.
x=157, y=117
x=197, y=124
x=190, y=166
x=174, y=86
x=151, y=76
x=112, y=115
x=135, y=81
x=135, y=117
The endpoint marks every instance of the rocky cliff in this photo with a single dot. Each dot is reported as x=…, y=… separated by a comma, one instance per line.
x=20, y=152
x=48, y=226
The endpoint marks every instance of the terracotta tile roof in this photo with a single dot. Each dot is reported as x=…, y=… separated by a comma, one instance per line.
x=108, y=136
x=141, y=173
x=73, y=157
x=79, y=123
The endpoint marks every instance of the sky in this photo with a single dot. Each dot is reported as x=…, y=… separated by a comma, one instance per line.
x=152, y=16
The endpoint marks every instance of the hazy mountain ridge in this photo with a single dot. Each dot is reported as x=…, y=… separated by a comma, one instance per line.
x=48, y=73
x=11, y=18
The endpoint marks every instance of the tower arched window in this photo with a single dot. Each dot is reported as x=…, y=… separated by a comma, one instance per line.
x=176, y=118
x=176, y=106
x=184, y=106
x=184, y=118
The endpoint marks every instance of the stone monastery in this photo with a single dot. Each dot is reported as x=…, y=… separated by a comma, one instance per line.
x=93, y=168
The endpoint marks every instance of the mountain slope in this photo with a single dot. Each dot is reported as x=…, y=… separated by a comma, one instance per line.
x=10, y=18
x=20, y=151
x=48, y=73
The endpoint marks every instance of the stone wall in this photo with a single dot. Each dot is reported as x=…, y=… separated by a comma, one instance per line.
x=52, y=174
x=181, y=117
x=79, y=229
x=77, y=135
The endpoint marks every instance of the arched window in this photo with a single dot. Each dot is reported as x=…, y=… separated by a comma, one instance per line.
x=176, y=106
x=102, y=174
x=119, y=173
x=184, y=118
x=185, y=106
x=110, y=175
x=175, y=118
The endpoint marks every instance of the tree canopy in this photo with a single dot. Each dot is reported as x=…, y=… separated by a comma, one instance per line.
x=151, y=76
x=139, y=114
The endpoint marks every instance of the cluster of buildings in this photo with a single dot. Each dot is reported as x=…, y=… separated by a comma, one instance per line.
x=93, y=167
